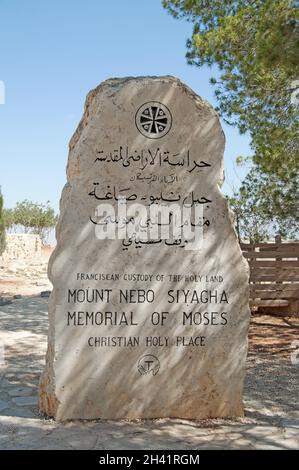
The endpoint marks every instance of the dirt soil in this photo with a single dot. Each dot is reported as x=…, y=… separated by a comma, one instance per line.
x=25, y=277
x=273, y=335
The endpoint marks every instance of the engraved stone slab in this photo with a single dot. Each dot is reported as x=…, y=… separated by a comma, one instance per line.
x=149, y=310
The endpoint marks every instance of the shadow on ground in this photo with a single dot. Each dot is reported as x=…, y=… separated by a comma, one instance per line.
x=271, y=395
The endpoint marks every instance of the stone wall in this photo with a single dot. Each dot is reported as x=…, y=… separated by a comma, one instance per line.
x=21, y=246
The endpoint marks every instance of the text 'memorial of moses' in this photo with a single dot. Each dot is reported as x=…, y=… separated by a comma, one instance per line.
x=149, y=312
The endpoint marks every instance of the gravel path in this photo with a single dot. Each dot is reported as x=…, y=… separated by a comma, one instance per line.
x=271, y=402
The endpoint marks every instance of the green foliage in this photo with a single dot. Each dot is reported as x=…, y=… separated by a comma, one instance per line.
x=2, y=227
x=255, y=46
x=8, y=215
x=265, y=206
x=31, y=217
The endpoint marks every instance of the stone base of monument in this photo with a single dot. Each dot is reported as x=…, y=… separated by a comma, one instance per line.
x=145, y=321
x=142, y=407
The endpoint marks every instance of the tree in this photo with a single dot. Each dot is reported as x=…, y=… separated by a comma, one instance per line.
x=264, y=206
x=2, y=227
x=32, y=218
x=8, y=217
x=254, y=44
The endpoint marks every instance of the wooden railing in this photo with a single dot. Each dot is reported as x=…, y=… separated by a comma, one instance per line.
x=274, y=276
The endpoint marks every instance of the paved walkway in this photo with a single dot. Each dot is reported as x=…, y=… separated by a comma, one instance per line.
x=271, y=400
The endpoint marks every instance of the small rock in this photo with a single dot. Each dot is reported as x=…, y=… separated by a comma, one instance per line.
x=17, y=296
x=3, y=405
x=23, y=401
x=5, y=301
x=19, y=412
x=290, y=423
x=20, y=392
x=45, y=293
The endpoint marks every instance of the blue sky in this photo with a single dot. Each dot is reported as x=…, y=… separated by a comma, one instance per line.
x=53, y=52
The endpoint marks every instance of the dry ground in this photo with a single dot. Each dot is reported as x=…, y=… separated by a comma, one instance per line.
x=271, y=389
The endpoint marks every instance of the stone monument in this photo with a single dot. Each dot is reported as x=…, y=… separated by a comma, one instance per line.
x=149, y=312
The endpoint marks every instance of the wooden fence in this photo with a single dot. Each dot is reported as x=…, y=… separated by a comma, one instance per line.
x=274, y=276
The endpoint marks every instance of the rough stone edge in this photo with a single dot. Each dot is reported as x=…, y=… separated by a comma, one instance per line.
x=119, y=82
x=48, y=402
